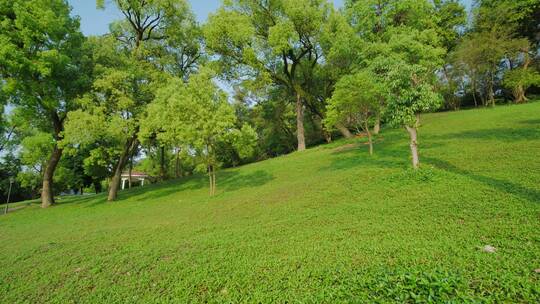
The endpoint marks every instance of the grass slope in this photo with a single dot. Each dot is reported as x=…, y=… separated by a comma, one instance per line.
x=328, y=225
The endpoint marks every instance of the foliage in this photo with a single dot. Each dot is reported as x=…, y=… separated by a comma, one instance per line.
x=43, y=68
x=275, y=43
x=521, y=78
x=355, y=101
x=410, y=94
x=198, y=116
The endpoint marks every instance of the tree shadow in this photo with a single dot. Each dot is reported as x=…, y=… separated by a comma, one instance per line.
x=155, y=191
x=531, y=195
x=228, y=180
x=356, y=154
x=531, y=122
x=233, y=180
x=495, y=134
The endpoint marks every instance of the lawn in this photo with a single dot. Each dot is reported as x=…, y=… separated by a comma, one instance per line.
x=330, y=224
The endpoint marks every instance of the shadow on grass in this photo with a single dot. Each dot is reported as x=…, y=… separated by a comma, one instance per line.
x=389, y=152
x=228, y=180
x=495, y=134
x=531, y=195
x=233, y=180
x=531, y=122
x=158, y=190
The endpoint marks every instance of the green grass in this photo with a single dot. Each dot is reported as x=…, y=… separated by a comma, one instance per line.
x=327, y=225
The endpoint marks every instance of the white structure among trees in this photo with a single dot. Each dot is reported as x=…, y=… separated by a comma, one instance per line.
x=134, y=177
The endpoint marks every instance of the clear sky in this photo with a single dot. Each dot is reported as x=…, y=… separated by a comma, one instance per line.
x=96, y=22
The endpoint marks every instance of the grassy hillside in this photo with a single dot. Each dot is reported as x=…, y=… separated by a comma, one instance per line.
x=327, y=225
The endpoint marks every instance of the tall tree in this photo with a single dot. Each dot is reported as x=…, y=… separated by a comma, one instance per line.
x=111, y=111
x=376, y=22
x=42, y=68
x=150, y=29
x=270, y=41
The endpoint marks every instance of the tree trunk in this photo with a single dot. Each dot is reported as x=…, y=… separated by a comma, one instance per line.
x=300, y=132
x=366, y=126
x=130, y=171
x=162, y=172
x=519, y=95
x=327, y=136
x=130, y=145
x=344, y=131
x=519, y=92
x=490, y=91
x=474, y=93
x=97, y=186
x=212, y=179
x=47, y=191
x=214, y=188
x=177, y=172
x=377, y=127
x=414, y=146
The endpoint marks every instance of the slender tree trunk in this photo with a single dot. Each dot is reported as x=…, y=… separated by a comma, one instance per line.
x=130, y=171
x=300, y=132
x=344, y=131
x=490, y=90
x=366, y=126
x=519, y=92
x=97, y=187
x=47, y=191
x=414, y=146
x=377, y=127
x=214, y=187
x=177, y=172
x=212, y=179
x=129, y=147
x=474, y=92
x=162, y=172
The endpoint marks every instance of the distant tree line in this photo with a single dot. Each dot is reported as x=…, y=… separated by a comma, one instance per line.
x=163, y=94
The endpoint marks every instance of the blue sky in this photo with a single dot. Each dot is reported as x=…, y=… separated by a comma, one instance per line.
x=96, y=22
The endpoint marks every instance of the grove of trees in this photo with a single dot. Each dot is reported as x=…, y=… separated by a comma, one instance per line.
x=164, y=94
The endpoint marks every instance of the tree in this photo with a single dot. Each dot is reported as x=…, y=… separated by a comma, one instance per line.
x=376, y=23
x=42, y=68
x=519, y=17
x=519, y=80
x=144, y=44
x=520, y=76
x=411, y=94
x=467, y=60
x=198, y=116
x=451, y=20
x=408, y=63
x=356, y=101
x=269, y=41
